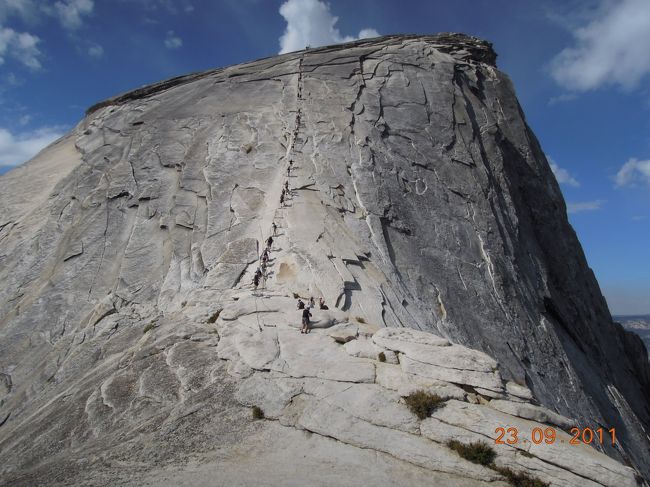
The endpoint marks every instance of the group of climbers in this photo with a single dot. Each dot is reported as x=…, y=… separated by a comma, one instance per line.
x=260, y=273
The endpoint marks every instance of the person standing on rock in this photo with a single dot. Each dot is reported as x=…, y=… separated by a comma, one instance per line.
x=269, y=242
x=282, y=200
x=275, y=228
x=305, y=320
x=286, y=186
x=256, y=280
x=312, y=303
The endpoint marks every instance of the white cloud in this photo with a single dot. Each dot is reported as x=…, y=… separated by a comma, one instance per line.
x=612, y=48
x=368, y=33
x=21, y=46
x=24, y=120
x=96, y=51
x=584, y=206
x=172, y=41
x=18, y=148
x=632, y=173
x=562, y=175
x=70, y=12
x=310, y=23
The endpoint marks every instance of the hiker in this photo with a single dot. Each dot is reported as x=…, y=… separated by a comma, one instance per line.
x=321, y=303
x=281, y=200
x=289, y=171
x=311, y=302
x=275, y=228
x=305, y=320
x=269, y=242
x=301, y=304
x=286, y=186
x=256, y=280
x=265, y=258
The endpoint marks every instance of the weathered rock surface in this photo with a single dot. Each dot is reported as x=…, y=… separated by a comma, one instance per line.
x=421, y=208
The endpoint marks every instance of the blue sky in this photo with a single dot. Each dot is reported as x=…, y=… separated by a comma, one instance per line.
x=581, y=70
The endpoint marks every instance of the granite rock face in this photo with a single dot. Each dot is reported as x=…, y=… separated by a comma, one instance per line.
x=421, y=208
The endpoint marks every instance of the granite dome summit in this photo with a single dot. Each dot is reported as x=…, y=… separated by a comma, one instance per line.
x=421, y=208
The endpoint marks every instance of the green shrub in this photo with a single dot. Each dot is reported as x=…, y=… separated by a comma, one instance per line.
x=214, y=316
x=478, y=452
x=257, y=412
x=519, y=479
x=360, y=319
x=149, y=327
x=381, y=357
x=422, y=403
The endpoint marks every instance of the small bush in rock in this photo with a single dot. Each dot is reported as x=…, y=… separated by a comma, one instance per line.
x=360, y=319
x=257, y=412
x=478, y=452
x=519, y=479
x=147, y=328
x=381, y=357
x=214, y=316
x=422, y=403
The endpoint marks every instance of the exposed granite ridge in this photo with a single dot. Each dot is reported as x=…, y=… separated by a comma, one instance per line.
x=454, y=43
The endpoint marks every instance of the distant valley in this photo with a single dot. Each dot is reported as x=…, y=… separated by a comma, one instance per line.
x=639, y=324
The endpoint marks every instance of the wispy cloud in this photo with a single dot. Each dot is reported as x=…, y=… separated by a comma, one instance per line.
x=633, y=173
x=172, y=41
x=95, y=51
x=577, y=207
x=310, y=23
x=561, y=174
x=71, y=12
x=18, y=148
x=611, y=49
x=21, y=46
x=25, y=9
x=563, y=98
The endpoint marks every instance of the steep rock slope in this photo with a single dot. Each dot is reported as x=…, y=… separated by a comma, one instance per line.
x=419, y=199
